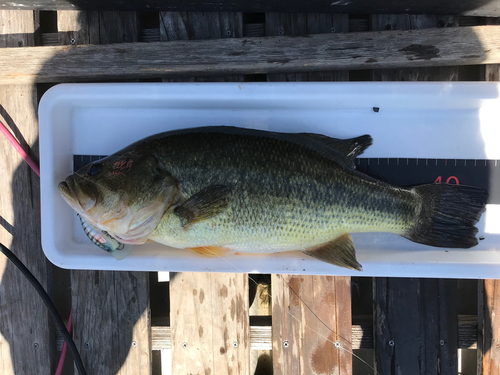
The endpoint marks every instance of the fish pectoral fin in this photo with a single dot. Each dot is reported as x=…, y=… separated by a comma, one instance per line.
x=339, y=252
x=211, y=251
x=203, y=205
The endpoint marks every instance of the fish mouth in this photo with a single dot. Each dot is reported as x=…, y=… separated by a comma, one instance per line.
x=79, y=198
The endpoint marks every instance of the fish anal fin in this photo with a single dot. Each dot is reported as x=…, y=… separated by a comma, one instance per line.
x=203, y=205
x=211, y=251
x=339, y=252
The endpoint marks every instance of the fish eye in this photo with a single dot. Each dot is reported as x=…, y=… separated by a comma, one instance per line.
x=95, y=169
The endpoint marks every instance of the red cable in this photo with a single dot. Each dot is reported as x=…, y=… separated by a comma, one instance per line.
x=60, y=365
x=36, y=169
x=19, y=149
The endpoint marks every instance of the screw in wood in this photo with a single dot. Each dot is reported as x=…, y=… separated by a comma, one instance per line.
x=72, y=41
x=281, y=32
x=134, y=343
x=391, y=343
x=35, y=345
x=184, y=344
x=235, y=344
x=337, y=344
x=228, y=32
x=286, y=344
x=441, y=342
x=174, y=37
x=333, y=29
x=87, y=344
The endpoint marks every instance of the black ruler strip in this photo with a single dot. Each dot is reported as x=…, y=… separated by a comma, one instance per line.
x=407, y=172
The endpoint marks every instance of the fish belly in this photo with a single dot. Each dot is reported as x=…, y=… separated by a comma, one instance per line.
x=299, y=216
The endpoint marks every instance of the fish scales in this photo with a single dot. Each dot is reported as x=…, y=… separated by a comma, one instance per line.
x=284, y=196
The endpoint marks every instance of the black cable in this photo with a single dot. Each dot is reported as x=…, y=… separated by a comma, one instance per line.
x=52, y=309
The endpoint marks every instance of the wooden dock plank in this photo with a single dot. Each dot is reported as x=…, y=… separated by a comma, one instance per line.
x=176, y=26
x=489, y=300
x=210, y=323
x=286, y=24
x=490, y=347
x=416, y=329
x=209, y=311
x=335, y=51
x=311, y=314
x=471, y=7
x=111, y=321
x=111, y=309
x=416, y=320
x=27, y=341
x=412, y=22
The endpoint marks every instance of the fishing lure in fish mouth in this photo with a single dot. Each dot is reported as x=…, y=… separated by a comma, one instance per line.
x=104, y=240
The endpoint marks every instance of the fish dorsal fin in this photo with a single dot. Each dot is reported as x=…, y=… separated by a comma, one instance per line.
x=339, y=252
x=345, y=149
x=203, y=205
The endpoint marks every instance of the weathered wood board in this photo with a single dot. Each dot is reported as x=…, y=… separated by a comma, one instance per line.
x=300, y=24
x=111, y=321
x=489, y=301
x=111, y=309
x=416, y=326
x=311, y=325
x=209, y=312
x=177, y=26
x=411, y=22
x=310, y=313
x=471, y=7
x=489, y=345
x=445, y=46
x=416, y=320
x=27, y=344
x=210, y=323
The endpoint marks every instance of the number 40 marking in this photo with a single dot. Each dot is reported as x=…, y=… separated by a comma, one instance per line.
x=448, y=180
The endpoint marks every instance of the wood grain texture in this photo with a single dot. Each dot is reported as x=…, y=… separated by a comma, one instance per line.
x=416, y=326
x=287, y=24
x=413, y=22
x=111, y=309
x=387, y=49
x=362, y=335
x=210, y=323
x=27, y=344
x=489, y=301
x=490, y=347
x=310, y=314
x=176, y=26
x=416, y=320
x=111, y=321
x=473, y=7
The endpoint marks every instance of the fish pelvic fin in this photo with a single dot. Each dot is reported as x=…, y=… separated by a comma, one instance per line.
x=203, y=205
x=448, y=215
x=211, y=251
x=339, y=252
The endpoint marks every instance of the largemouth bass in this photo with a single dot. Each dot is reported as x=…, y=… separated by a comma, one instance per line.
x=216, y=190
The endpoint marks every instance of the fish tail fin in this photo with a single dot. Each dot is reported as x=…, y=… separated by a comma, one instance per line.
x=448, y=215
